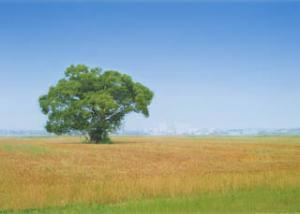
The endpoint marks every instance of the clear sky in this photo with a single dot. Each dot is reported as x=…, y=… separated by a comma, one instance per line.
x=211, y=65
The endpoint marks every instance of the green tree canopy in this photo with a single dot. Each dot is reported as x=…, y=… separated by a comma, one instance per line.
x=93, y=102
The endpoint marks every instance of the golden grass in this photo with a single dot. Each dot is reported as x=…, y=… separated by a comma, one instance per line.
x=37, y=173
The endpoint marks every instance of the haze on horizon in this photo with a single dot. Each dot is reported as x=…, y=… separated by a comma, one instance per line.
x=211, y=65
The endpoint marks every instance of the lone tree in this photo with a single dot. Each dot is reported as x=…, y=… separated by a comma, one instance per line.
x=93, y=102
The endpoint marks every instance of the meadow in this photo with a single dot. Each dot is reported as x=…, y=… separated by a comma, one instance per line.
x=150, y=175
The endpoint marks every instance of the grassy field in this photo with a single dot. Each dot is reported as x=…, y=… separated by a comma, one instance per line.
x=150, y=175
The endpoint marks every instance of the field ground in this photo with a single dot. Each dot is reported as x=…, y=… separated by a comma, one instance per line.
x=150, y=175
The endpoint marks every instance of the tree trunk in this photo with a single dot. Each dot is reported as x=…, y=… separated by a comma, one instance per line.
x=99, y=136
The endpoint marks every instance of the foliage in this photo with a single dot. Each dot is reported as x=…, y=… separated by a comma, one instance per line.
x=93, y=102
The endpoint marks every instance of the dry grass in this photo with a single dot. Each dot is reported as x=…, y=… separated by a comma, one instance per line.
x=38, y=173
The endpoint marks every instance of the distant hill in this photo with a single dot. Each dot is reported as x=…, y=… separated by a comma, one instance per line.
x=21, y=133
x=217, y=132
x=162, y=132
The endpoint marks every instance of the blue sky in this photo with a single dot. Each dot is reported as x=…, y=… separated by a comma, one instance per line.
x=211, y=65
